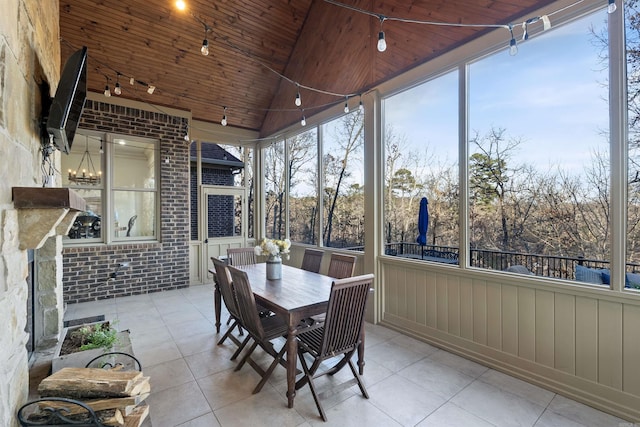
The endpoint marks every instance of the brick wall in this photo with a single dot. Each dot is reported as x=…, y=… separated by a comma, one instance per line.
x=154, y=266
x=221, y=214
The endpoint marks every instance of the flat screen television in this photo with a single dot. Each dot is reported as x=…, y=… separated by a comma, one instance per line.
x=67, y=104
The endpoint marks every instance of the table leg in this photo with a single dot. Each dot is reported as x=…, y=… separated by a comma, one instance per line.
x=217, y=303
x=292, y=358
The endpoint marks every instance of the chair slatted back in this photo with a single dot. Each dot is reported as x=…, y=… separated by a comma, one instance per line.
x=341, y=266
x=246, y=303
x=312, y=260
x=241, y=256
x=226, y=289
x=345, y=315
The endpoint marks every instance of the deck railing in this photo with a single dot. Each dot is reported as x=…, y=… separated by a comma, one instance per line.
x=561, y=267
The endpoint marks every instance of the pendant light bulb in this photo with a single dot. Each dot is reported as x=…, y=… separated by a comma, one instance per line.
x=223, y=122
x=132, y=81
x=382, y=44
x=181, y=5
x=303, y=122
x=205, y=47
x=101, y=149
x=298, y=99
x=612, y=6
x=150, y=89
x=513, y=47
x=107, y=92
x=346, y=107
x=361, y=106
x=117, y=90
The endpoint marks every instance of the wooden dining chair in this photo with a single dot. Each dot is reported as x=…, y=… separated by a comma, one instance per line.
x=312, y=259
x=341, y=266
x=224, y=284
x=260, y=329
x=241, y=256
x=340, y=335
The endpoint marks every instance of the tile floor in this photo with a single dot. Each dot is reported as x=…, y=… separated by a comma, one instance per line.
x=410, y=383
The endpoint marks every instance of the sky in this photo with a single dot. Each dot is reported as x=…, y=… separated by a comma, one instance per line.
x=551, y=95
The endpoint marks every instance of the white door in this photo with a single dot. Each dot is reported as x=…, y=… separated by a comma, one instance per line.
x=225, y=222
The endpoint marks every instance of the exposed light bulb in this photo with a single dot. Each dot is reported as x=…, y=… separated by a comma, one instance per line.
x=205, y=47
x=181, y=5
x=117, y=90
x=166, y=160
x=298, y=99
x=303, y=122
x=150, y=89
x=223, y=122
x=186, y=137
x=107, y=92
x=101, y=149
x=346, y=106
x=382, y=44
x=132, y=81
x=612, y=6
x=361, y=106
x=513, y=47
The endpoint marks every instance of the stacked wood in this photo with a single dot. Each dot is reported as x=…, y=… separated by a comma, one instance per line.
x=116, y=396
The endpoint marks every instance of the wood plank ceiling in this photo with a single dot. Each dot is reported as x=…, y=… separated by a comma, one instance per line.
x=253, y=43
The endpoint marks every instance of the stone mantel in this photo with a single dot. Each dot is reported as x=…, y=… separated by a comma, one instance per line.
x=44, y=212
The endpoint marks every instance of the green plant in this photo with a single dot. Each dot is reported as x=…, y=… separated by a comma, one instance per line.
x=100, y=335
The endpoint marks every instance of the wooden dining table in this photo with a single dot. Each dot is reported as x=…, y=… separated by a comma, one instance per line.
x=298, y=295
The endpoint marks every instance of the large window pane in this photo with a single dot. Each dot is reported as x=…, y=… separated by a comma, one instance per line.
x=539, y=155
x=274, y=176
x=82, y=171
x=421, y=161
x=343, y=187
x=632, y=21
x=303, y=187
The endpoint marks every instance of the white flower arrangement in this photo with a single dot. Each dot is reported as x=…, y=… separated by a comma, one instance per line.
x=273, y=247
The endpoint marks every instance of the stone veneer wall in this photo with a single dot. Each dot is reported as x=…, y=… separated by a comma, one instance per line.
x=154, y=266
x=29, y=55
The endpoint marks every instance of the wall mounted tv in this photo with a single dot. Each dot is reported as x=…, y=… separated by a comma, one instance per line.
x=67, y=104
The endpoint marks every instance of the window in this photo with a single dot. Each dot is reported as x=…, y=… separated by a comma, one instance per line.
x=274, y=176
x=122, y=205
x=343, y=181
x=303, y=187
x=420, y=146
x=539, y=155
x=632, y=33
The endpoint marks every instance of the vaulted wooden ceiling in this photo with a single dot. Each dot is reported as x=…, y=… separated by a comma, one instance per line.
x=254, y=43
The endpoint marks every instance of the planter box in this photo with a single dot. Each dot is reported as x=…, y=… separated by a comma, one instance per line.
x=81, y=358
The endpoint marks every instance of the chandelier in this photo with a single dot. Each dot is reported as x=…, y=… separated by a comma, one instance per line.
x=88, y=174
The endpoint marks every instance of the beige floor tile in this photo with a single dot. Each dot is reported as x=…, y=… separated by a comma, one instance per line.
x=404, y=401
x=583, y=414
x=394, y=357
x=206, y=420
x=414, y=345
x=518, y=387
x=158, y=353
x=229, y=387
x=354, y=412
x=192, y=344
x=551, y=419
x=434, y=377
x=210, y=362
x=177, y=405
x=263, y=409
x=497, y=406
x=191, y=327
x=188, y=314
x=463, y=365
x=450, y=415
x=168, y=374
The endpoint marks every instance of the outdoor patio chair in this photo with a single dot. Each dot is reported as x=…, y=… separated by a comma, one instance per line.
x=224, y=284
x=241, y=256
x=312, y=260
x=341, y=266
x=340, y=335
x=260, y=329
